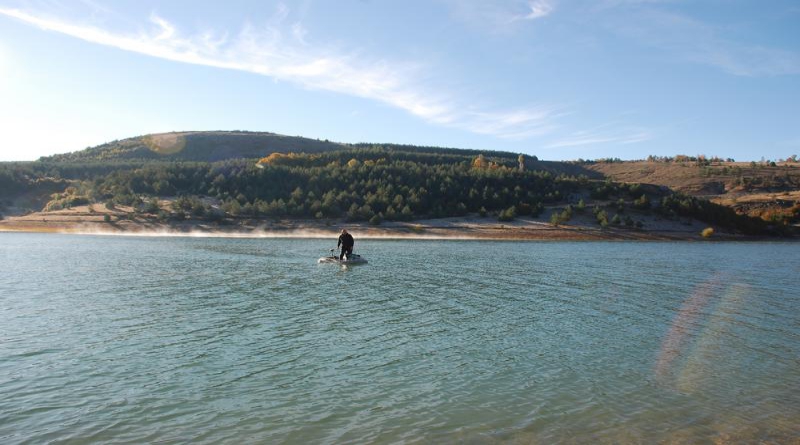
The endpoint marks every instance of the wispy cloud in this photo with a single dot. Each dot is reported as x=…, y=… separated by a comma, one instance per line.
x=538, y=9
x=698, y=41
x=281, y=51
x=517, y=124
x=603, y=134
x=750, y=61
x=499, y=17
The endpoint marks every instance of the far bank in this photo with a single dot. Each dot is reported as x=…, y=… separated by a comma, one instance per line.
x=98, y=220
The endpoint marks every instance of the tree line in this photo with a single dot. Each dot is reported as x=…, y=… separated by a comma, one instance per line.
x=369, y=183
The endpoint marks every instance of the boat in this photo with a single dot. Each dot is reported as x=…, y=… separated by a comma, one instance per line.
x=348, y=259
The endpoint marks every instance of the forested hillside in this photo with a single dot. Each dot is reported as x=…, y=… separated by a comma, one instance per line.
x=323, y=180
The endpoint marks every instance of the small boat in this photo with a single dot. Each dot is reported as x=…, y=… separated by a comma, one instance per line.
x=348, y=259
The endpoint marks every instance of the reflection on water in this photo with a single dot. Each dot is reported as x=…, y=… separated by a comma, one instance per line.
x=110, y=339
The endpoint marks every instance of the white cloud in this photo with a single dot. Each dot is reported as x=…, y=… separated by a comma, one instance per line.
x=539, y=9
x=266, y=51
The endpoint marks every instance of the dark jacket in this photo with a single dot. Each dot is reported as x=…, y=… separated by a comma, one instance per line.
x=345, y=240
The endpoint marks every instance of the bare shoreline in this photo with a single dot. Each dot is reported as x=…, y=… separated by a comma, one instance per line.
x=460, y=228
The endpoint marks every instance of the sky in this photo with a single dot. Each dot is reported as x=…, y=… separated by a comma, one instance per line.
x=559, y=79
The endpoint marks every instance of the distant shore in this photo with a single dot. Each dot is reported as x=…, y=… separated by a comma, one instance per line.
x=582, y=228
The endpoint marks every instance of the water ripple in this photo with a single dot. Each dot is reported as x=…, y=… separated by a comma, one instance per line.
x=120, y=340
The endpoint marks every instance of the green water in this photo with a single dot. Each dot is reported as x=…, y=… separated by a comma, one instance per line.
x=204, y=340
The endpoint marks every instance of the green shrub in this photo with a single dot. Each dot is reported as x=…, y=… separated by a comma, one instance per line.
x=641, y=203
x=537, y=209
x=508, y=214
x=562, y=217
x=151, y=206
x=602, y=218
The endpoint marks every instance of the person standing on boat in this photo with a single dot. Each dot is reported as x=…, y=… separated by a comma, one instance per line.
x=346, y=241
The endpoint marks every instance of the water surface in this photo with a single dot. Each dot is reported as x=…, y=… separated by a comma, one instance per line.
x=205, y=340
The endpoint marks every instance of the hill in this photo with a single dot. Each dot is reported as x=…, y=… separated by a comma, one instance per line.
x=213, y=146
x=205, y=146
x=767, y=190
x=231, y=177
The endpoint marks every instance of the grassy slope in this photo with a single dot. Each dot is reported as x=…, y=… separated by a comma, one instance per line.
x=741, y=185
x=714, y=180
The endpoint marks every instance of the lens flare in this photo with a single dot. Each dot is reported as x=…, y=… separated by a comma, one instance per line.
x=166, y=143
x=679, y=334
x=708, y=357
x=694, y=349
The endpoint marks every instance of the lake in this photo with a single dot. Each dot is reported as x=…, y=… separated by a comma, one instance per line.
x=213, y=340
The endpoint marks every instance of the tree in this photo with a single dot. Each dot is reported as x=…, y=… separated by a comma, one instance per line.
x=642, y=203
x=602, y=217
x=198, y=208
x=558, y=218
x=151, y=206
x=508, y=214
x=406, y=214
x=232, y=207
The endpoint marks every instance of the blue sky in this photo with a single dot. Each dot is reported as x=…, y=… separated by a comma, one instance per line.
x=560, y=79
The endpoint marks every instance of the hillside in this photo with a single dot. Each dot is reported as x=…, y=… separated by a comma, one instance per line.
x=206, y=146
x=233, y=178
x=213, y=146
x=766, y=190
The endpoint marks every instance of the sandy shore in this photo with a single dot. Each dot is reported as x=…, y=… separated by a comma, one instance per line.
x=91, y=222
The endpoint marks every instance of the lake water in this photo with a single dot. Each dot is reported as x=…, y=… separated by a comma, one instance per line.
x=209, y=340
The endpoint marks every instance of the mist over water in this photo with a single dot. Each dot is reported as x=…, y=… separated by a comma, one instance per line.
x=210, y=340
